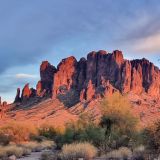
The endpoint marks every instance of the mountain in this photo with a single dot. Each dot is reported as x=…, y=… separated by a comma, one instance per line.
x=78, y=85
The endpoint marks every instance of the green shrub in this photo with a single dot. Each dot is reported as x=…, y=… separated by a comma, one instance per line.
x=4, y=139
x=92, y=133
x=47, y=131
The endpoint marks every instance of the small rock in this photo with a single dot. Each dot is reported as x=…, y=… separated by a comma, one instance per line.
x=13, y=157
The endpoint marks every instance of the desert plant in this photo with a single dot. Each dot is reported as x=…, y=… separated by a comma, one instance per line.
x=152, y=136
x=78, y=150
x=4, y=139
x=18, y=131
x=11, y=150
x=120, y=124
x=36, y=146
x=47, y=131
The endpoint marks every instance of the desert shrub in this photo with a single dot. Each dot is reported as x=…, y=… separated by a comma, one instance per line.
x=18, y=131
x=35, y=146
x=11, y=150
x=152, y=136
x=117, y=112
x=91, y=133
x=78, y=150
x=121, y=153
x=47, y=131
x=65, y=138
x=4, y=139
x=120, y=124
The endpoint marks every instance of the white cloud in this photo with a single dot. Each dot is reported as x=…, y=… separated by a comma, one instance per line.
x=149, y=44
x=23, y=75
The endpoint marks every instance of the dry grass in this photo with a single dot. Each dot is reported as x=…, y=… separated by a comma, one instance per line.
x=24, y=148
x=13, y=150
x=121, y=153
x=78, y=150
x=18, y=132
x=35, y=146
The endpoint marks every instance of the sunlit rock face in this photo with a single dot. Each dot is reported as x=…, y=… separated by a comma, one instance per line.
x=26, y=93
x=104, y=73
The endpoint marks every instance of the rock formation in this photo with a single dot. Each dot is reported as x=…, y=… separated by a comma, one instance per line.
x=26, y=92
x=47, y=72
x=101, y=74
x=17, y=98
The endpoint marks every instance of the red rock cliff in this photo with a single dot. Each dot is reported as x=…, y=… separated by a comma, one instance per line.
x=100, y=74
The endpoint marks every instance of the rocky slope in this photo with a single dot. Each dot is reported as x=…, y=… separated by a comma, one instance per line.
x=101, y=74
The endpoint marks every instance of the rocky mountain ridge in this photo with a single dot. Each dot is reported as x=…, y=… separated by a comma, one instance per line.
x=101, y=74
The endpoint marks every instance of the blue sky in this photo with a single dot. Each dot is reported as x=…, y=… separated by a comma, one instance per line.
x=32, y=31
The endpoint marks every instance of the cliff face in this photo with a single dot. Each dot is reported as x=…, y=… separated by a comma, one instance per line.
x=101, y=74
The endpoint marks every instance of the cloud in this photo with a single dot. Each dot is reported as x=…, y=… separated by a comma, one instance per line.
x=23, y=76
x=32, y=29
x=150, y=44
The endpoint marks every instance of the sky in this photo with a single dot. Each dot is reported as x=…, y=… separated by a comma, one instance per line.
x=33, y=31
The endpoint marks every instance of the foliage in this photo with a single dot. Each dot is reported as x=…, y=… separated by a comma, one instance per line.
x=23, y=149
x=152, y=136
x=118, y=120
x=4, y=139
x=13, y=150
x=18, y=131
x=47, y=131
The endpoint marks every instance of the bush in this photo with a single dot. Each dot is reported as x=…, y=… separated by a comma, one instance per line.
x=117, y=112
x=120, y=124
x=13, y=150
x=152, y=136
x=78, y=150
x=4, y=139
x=92, y=134
x=47, y=131
x=18, y=132
x=35, y=146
